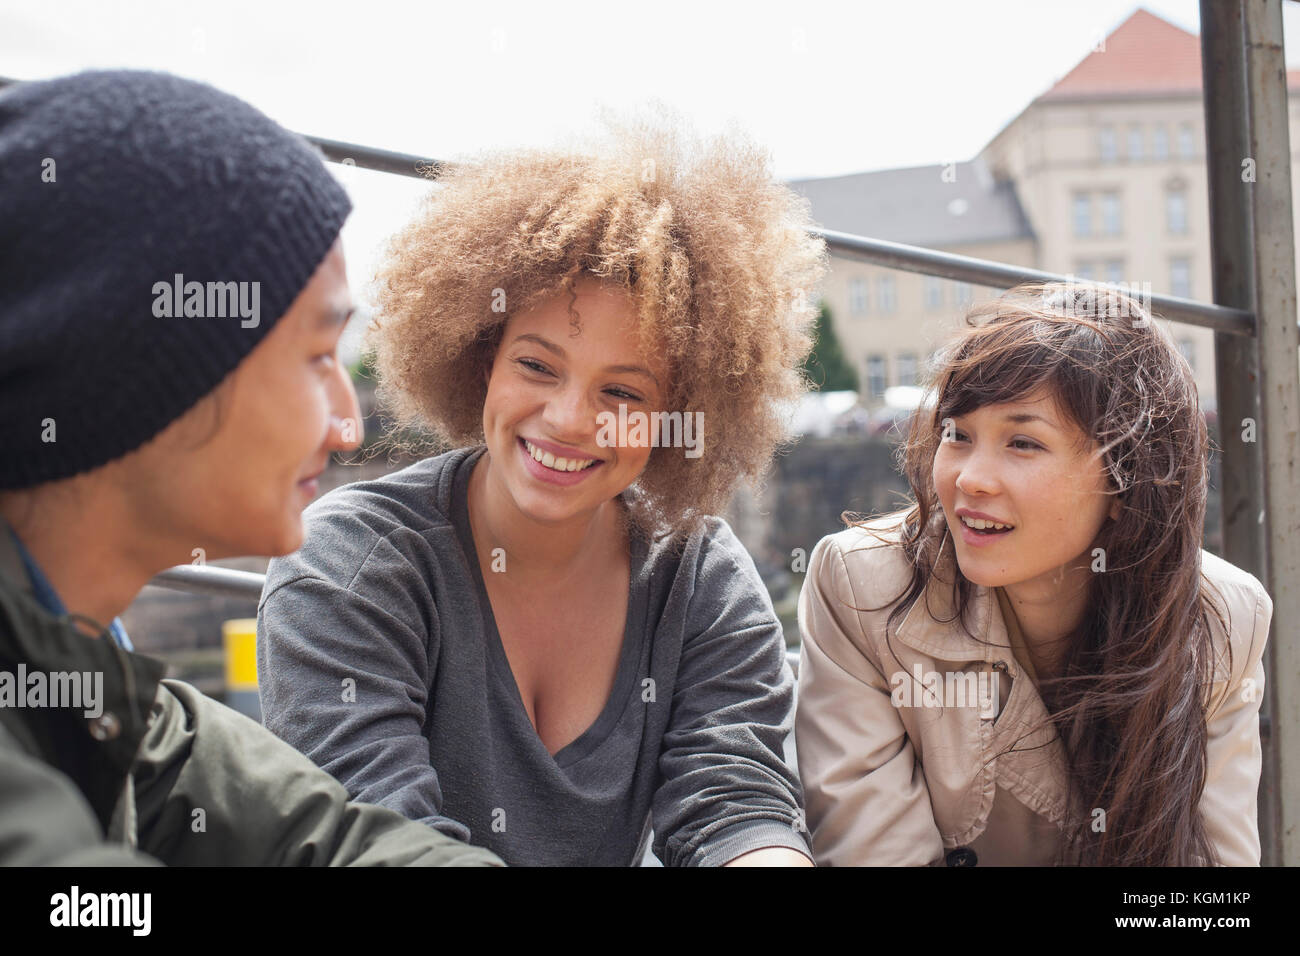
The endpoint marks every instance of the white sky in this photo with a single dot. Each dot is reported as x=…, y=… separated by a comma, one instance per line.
x=828, y=86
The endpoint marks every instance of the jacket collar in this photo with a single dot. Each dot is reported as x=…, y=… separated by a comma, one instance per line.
x=930, y=626
x=1031, y=763
x=11, y=562
x=96, y=753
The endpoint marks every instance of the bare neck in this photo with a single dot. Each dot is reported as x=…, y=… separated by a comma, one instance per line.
x=537, y=555
x=82, y=544
x=1049, y=610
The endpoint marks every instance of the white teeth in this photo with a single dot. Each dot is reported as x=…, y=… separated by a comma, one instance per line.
x=979, y=524
x=558, y=464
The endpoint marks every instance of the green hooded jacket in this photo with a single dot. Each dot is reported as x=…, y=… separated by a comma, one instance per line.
x=148, y=770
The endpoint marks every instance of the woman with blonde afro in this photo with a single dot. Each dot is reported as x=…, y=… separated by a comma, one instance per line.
x=544, y=641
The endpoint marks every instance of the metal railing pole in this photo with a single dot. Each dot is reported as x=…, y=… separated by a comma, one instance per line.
x=205, y=579
x=382, y=160
x=1236, y=360
x=226, y=582
x=999, y=275
x=1273, y=240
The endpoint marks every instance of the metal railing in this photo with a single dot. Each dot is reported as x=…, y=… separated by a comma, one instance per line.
x=227, y=582
x=881, y=252
x=999, y=275
x=205, y=579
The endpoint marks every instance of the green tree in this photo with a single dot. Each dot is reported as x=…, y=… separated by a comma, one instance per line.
x=363, y=369
x=826, y=366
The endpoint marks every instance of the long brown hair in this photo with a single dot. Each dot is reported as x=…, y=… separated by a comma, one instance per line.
x=1130, y=704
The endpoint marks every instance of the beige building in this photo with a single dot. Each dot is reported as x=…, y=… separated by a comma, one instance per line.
x=1102, y=177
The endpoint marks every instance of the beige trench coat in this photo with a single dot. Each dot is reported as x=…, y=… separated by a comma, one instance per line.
x=892, y=780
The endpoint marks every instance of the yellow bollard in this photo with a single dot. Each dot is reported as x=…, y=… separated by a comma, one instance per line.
x=239, y=640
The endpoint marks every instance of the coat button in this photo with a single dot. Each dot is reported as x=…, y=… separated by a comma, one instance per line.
x=962, y=856
x=105, y=727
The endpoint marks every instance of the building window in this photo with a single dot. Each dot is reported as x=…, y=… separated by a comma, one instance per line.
x=907, y=368
x=1114, y=271
x=1135, y=142
x=886, y=294
x=857, y=297
x=1106, y=144
x=1111, y=220
x=1180, y=277
x=1188, y=350
x=1085, y=270
x=1082, y=215
x=933, y=292
x=1176, y=210
x=1159, y=143
x=962, y=293
x=1186, y=145
x=876, y=375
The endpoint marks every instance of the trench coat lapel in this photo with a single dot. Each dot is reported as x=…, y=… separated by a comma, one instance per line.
x=927, y=626
x=1030, y=758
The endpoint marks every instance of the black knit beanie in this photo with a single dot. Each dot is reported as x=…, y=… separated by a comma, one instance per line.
x=152, y=231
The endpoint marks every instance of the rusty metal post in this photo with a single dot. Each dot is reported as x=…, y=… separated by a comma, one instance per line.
x=1273, y=233
x=1236, y=359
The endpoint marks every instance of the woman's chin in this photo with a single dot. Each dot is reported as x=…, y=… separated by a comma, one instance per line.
x=983, y=577
x=539, y=509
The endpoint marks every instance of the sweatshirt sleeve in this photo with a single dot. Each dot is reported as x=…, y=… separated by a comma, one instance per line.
x=726, y=787
x=1234, y=756
x=343, y=674
x=213, y=786
x=868, y=803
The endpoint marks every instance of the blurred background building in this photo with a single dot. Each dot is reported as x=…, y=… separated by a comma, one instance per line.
x=1102, y=177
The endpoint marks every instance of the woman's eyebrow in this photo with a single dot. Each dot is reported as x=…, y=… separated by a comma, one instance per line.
x=615, y=369
x=534, y=337
x=632, y=370
x=1022, y=418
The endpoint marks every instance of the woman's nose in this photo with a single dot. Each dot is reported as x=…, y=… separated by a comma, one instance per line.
x=977, y=476
x=569, y=413
x=346, y=427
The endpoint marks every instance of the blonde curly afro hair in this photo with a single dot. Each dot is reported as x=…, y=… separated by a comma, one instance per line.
x=715, y=253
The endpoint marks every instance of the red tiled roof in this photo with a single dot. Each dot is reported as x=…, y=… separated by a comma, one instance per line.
x=1144, y=55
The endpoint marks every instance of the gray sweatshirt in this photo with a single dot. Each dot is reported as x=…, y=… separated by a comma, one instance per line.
x=378, y=657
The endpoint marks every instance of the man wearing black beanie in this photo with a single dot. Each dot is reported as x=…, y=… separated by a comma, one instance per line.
x=172, y=293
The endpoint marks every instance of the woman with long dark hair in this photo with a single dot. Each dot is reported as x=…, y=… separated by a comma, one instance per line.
x=1036, y=662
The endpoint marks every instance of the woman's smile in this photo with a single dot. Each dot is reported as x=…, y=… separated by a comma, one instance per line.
x=557, y=470
x=982, y=539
